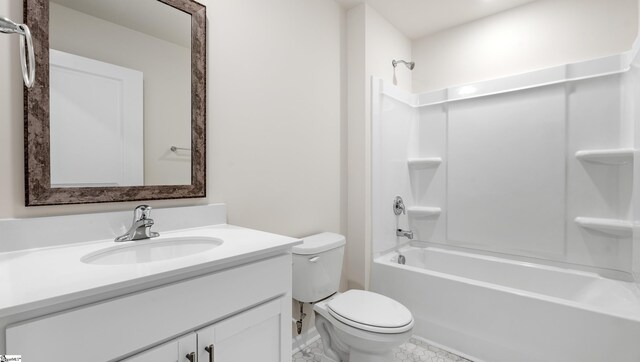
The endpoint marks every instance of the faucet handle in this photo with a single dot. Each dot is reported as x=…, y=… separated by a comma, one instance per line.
x=398, y=206
x=141, y=212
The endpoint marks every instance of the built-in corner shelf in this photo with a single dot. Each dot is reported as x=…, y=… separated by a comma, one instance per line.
x=422, y=163
x=615, y=227
x=617, y=156
x=423, y=211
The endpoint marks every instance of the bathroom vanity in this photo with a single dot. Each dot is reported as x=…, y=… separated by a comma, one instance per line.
x=227, y=294
x=202, y=289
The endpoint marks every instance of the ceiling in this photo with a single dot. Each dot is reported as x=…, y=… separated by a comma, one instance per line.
x=149, y=16
x=419, y=18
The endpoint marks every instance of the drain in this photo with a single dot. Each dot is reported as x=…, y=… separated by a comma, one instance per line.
x=401, y=259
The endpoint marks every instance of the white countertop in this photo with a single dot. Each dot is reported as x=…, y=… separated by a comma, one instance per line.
x=37, y=278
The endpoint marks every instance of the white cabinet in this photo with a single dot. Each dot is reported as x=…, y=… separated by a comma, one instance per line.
x=176, y=350
x=247, y=309
x=254, y=335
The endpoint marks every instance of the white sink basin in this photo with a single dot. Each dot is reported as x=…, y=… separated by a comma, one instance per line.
x=136, y=252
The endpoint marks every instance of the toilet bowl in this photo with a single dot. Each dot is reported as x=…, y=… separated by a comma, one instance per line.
x=361, y=326
x=355, y=326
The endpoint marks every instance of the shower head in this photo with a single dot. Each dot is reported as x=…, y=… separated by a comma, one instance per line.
x=409, y=65
x=9, y=27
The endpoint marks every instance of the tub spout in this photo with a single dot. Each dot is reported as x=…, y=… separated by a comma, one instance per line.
x=405, y=233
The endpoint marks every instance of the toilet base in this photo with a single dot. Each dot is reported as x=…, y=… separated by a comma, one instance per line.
x=343, y=343
x=358, y=356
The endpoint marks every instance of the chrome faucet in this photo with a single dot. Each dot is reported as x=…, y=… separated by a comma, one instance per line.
x=398, y=209
x=141, y=226
x=404, y=233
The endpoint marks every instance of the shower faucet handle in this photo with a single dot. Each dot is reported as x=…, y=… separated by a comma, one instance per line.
x=398, y=206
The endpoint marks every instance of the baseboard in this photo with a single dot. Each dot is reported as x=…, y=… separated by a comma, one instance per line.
x=301, y=342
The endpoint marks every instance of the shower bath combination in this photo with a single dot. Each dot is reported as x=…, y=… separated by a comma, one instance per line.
x=7, y=26
x=480, y=259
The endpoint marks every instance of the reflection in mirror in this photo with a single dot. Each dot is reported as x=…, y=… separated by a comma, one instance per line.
x=119, y=103
x=120, y=93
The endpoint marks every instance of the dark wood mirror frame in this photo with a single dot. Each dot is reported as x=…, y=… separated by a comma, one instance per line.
x=38, y=190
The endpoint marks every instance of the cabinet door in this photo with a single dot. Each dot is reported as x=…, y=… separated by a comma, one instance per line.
x=173, y=351
x=253, y=335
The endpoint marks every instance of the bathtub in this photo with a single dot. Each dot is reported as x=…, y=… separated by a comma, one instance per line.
x=498, y=310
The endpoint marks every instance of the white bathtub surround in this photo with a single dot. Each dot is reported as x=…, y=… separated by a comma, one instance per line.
x=500, y=310
x=64, y=288
x=528, y=221
x=536, y=165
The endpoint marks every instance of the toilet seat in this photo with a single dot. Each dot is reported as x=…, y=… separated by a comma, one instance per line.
x=370, y=312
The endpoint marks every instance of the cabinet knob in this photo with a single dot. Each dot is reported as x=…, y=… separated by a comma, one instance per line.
x=191, y=357
x=209, y=349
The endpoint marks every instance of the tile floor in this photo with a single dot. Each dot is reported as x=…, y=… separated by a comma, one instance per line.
x=414, y=350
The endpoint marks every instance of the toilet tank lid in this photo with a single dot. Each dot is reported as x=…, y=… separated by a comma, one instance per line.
x=318, y=243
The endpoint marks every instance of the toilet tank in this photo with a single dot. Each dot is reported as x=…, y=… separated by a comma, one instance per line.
x=317, y=266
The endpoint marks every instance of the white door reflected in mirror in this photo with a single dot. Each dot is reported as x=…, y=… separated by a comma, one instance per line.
x=100, y=130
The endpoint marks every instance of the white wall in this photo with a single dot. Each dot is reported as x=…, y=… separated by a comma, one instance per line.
x=537, y=35
x=275, y=117
x=372, y=44
x=384, y=43
x=167, y=94
x=276, y=140
x=276, y=113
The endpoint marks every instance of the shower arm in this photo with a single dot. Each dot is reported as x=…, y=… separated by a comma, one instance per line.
x=7, y=26
x=409, y=65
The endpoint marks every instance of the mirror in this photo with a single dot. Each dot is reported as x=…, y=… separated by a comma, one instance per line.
x=117, y=112
x=119, y=90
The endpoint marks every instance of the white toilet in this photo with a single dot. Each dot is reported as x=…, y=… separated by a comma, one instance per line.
x=355, y=326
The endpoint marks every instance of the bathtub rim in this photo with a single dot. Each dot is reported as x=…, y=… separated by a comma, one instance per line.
x=607, y=273
x=386, y=260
